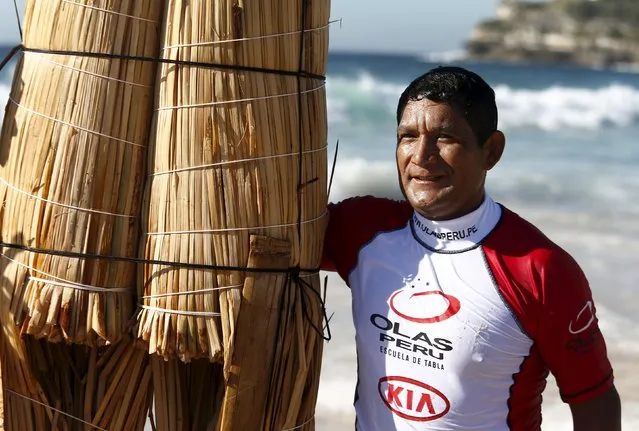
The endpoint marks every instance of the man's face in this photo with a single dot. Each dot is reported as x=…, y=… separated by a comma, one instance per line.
x=441, y=165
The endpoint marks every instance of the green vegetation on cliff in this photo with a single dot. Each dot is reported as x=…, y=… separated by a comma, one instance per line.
x=622, y=11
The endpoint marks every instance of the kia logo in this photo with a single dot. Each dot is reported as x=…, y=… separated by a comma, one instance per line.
x=412, y=400
x=411, y=305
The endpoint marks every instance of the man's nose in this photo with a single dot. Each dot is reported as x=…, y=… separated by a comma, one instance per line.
x=425, y=151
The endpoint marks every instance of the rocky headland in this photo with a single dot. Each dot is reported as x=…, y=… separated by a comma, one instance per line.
x=593, y=33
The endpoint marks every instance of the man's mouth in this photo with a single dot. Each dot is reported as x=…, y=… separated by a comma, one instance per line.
x=427, y=179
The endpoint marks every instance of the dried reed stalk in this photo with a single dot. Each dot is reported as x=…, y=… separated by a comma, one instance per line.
x=274, y=372
x=257, y=329
x=53, y=386
x=72, y=164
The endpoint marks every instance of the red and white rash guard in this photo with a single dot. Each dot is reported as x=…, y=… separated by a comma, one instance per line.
x=459, y=322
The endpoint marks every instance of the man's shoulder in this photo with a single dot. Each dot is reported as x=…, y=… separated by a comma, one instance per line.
x=515, y=236
x=535, y=275
x=526, y=261
x=354, y=222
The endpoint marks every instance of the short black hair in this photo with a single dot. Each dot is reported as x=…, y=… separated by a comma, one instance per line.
x=463, y=90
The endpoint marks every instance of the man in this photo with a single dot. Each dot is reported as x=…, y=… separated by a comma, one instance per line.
x=461, y=307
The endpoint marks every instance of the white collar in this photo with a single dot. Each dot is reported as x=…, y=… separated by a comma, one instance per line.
x=457, y=234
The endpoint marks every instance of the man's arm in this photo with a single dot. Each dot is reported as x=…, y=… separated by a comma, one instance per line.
x=602, y=413
x=573, y=347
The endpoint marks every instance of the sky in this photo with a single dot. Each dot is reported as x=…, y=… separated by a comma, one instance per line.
x=401, y=26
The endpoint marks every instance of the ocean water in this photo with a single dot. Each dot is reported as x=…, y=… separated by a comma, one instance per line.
x=571, y=166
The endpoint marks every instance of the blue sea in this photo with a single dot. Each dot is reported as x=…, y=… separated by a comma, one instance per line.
x=571, y=166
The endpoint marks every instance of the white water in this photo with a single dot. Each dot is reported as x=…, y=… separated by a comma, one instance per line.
x=550, y=108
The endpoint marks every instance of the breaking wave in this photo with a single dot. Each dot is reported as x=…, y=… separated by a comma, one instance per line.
x=366, y=99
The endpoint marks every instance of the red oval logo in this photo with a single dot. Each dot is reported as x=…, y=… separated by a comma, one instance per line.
x=411, y=399
x=408, y=301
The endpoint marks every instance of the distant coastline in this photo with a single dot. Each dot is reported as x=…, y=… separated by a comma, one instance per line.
x=591, y=33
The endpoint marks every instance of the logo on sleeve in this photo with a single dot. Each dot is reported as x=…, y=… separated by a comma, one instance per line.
x=584, y=319
x=585, y=335
x=412, y=400
x=423, y=306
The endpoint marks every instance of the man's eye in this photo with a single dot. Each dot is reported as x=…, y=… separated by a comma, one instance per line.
x=445, y=137
x=407, y=137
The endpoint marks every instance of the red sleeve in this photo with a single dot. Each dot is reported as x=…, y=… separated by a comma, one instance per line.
x=550, y=295
x=353, y=223
x=569, y=338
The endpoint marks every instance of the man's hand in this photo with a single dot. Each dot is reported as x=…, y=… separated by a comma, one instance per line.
x=599, y=414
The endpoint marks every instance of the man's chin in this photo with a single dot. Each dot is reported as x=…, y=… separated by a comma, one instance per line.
x=428, y=204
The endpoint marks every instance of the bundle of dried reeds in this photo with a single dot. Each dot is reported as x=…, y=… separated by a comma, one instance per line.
x=72, y=163
x=225, y=163
x=53, y=386
x=237, y=178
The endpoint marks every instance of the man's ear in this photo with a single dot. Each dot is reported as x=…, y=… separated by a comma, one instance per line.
x=493, y=149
